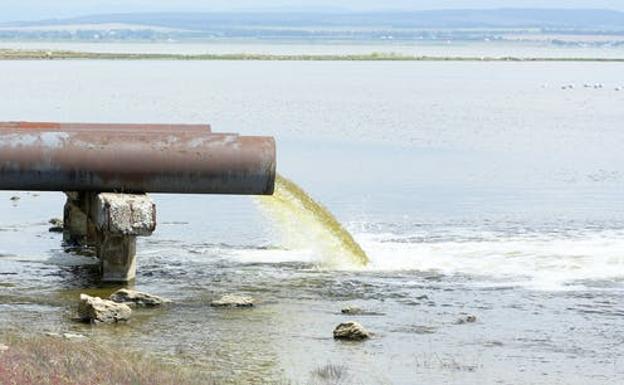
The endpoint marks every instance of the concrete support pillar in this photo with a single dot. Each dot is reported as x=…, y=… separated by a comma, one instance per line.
x=74, y=220
x=111, y=222
x=117, y=254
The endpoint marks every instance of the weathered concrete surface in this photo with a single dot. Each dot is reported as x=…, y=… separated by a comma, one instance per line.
x=124, y=214
x=74, y=220
x=137, y=298
x=111, y=222
x=98, y=310
x=232, y=300
x=117, y=254
x=351, y=331
x=118, y=220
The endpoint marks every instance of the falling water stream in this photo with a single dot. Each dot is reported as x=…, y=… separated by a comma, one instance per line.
x=305, y=223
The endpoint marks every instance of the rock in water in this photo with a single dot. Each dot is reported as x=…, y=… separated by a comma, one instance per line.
x=98, y=310
x=352, y=310
x=67, y=336
x=140, y=299
x=468, y=319
x=74, y=336
x=3, y=348
x=351, y=331
x=57, y=225
x=231, y=300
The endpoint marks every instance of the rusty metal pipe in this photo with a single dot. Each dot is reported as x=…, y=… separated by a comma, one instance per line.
x=105, y=127
x=126, y=161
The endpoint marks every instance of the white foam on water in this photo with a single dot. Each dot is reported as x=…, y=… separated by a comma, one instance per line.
x=537, y=262
x=544, y=263
x=274, y=256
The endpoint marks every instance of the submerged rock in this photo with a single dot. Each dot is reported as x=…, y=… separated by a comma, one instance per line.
x=352, y=310
x=67, y=336
x=351, y=331
x=74, y=336
x=98, y=310
x=467, y=319
x=15, y=198
x=3, y=348
x=232, y=300
x=57, y=225
x=138, y=298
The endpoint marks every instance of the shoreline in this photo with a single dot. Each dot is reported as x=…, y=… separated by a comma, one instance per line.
x=12, y=54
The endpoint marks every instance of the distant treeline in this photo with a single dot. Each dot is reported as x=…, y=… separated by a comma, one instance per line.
x=298, y=35
x=154, y=34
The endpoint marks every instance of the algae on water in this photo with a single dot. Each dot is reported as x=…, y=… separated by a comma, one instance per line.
x=307, y=224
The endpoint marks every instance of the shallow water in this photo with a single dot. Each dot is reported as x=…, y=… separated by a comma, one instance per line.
x=475, y=188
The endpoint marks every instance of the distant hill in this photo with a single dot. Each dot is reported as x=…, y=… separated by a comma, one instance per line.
x=581, y=19
x=552, y=25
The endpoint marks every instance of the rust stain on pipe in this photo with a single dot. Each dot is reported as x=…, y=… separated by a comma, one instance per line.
x=57, y=158
x=108, y=127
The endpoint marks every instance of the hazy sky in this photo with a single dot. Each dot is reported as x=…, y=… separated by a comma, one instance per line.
x=37, y=9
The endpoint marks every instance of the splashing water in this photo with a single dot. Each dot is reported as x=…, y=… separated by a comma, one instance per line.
x=308, y=225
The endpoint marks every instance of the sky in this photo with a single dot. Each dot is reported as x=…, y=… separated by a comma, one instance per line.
x=12, y=10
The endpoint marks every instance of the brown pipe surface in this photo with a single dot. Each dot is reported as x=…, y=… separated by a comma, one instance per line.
x=107, y=127
x=135, y=161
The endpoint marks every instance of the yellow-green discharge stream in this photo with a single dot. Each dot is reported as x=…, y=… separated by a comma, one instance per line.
x=306, y=223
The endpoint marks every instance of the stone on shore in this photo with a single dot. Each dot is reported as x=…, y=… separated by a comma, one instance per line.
x=56, y=225
x=352, y=331
x=98, y=310
x=231, y=300
x=138, y=298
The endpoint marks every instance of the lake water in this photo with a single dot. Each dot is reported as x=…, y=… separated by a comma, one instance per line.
x=475, y=188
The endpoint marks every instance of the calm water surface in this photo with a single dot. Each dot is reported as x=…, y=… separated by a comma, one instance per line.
x=476, y=188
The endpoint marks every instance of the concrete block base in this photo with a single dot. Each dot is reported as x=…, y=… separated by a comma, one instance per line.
x=110, y=222
x=117, y=254
x=74, y=221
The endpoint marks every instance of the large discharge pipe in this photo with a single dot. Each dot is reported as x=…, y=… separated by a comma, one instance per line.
x=105, y=127
x=134, y=159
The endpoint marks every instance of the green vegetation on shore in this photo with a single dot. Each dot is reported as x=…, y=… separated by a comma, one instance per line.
x=40, y=360
x=60, y=360
x=11, y=54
